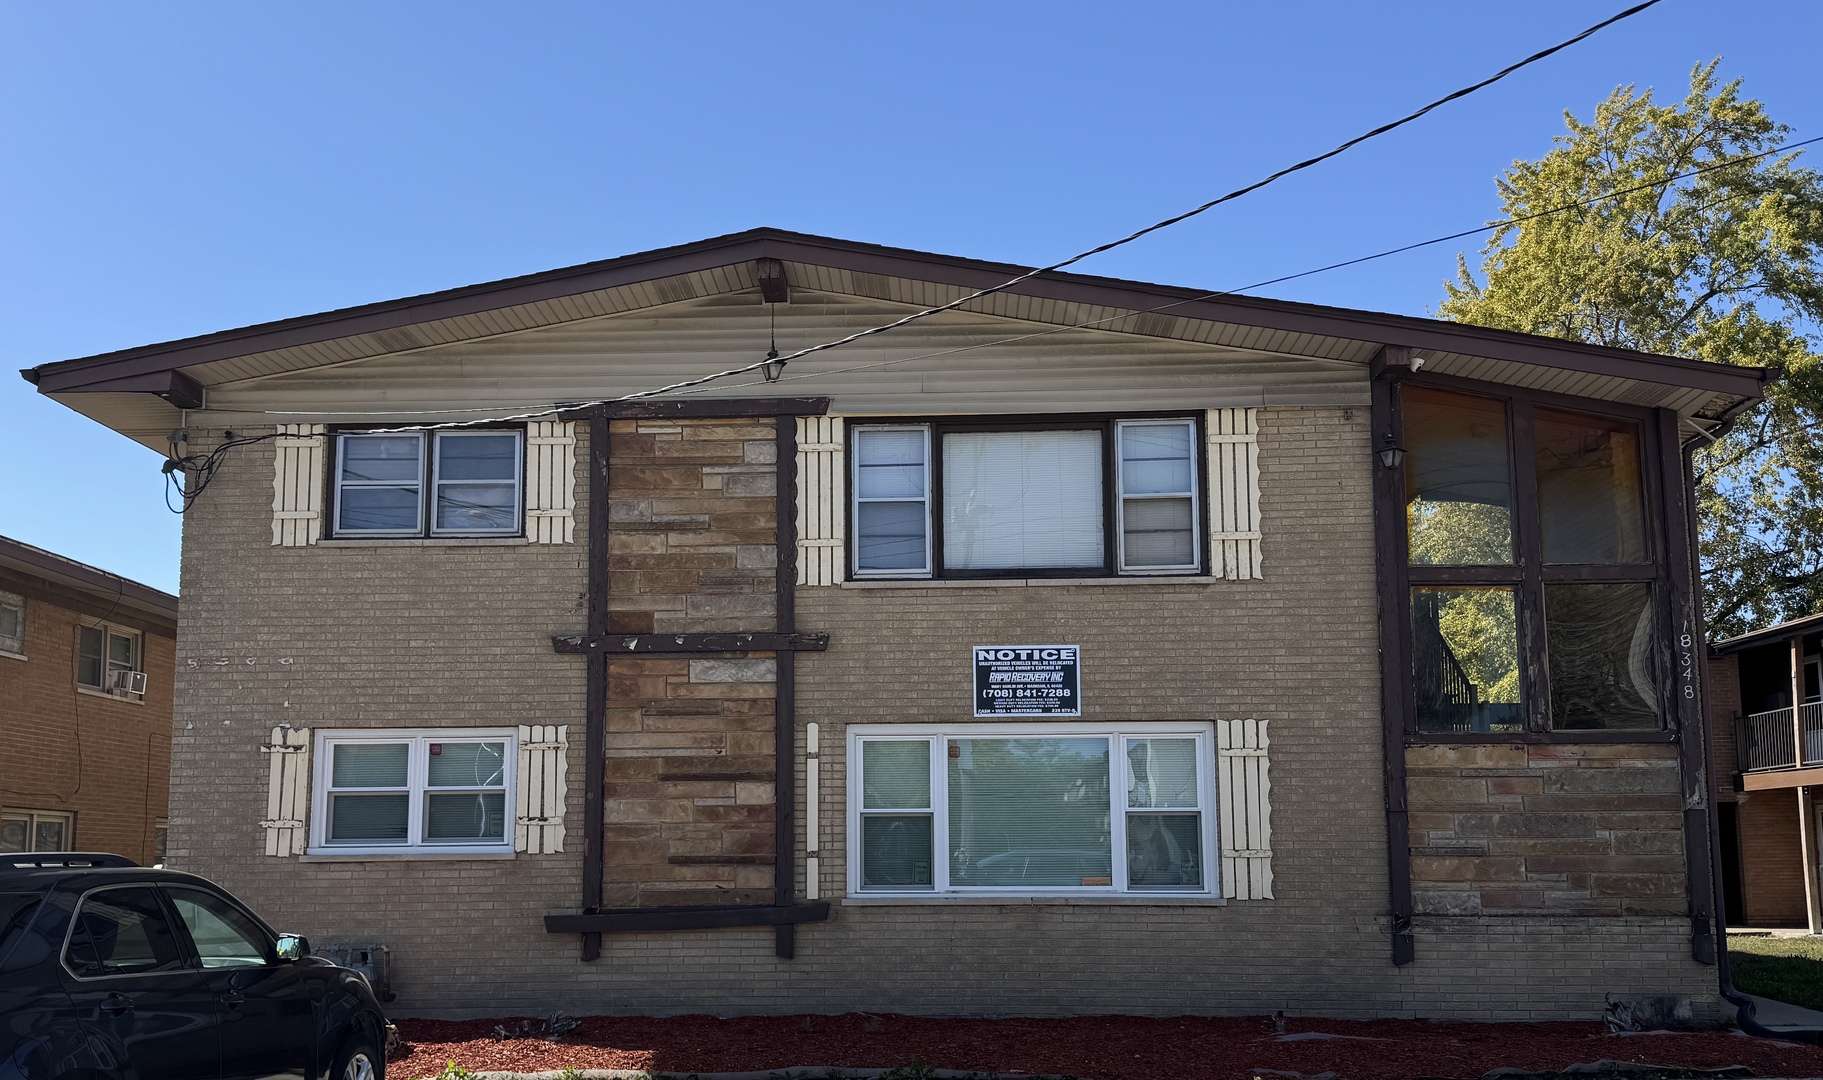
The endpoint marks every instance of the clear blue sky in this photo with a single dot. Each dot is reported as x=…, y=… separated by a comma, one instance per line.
x=179, y=168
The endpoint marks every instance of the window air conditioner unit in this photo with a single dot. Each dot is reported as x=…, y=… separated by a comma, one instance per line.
x=127, y=682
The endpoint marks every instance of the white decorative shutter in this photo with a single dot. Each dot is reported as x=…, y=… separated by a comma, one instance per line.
x=287, y=791
x=297, y=485
x=813, y=813
x=1244, y=789
x=1234, y=493
x=543, y=767
x=822, y=500
x=550, y=482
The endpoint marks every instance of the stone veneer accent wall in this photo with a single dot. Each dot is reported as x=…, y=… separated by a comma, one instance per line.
x=690, y=766
x=1563, y=829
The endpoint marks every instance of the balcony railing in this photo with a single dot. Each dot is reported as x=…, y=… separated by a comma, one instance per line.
x=1770, y=739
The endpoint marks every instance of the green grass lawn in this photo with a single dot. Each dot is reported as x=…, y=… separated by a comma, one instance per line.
x=1782, y=968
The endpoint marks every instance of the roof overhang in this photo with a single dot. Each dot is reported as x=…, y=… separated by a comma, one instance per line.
x=169, y=377
x=1808, y=624
x=111, y=591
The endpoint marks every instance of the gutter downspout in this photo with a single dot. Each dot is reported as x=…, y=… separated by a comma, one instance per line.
x=1744, y=1005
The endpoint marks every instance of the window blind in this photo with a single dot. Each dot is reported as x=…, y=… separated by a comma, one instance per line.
x=1019, y=499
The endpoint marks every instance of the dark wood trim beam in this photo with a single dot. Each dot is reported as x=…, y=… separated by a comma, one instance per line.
x=595, y=709
x=758, y=641
x=1389, y=554
x=784, y=743
x=774, y=288
x=699, y=409
x=1684, y=621
x=634, y=920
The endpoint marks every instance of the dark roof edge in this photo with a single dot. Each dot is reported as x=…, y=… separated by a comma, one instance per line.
x=1378, y=327
x=106, y=586
x=1789, y=628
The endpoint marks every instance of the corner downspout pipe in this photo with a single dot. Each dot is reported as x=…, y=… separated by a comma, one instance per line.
x=1745, y=1009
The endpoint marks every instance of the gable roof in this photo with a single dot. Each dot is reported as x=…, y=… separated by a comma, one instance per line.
x=143, y=390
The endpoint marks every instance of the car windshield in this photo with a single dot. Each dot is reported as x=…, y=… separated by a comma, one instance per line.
x=16, y=911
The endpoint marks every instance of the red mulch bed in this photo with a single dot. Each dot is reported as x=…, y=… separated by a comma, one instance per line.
x=1092, y=1047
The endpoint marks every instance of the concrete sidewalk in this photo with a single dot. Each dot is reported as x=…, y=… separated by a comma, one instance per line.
x=1779, y=1016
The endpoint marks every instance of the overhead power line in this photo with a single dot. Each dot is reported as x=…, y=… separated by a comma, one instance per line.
x=1157, y=225
x=1402, y=249
x=1383, y=129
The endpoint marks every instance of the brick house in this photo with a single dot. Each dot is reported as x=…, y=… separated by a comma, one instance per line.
x=1152, y=651
x=1766, y=723
x=86, y=659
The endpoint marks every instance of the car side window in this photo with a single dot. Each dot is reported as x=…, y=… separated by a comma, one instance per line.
x=223, y=934
x=122, y=931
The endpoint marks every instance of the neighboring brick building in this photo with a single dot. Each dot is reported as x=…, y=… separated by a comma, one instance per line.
x=1766, y=723
x=1249, y=599
x=86, y=659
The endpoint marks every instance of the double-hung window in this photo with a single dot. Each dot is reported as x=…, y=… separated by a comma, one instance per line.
x=12, y=624
x=108, y=658
x=1031, y=809
x=417, y=791
x=36, y=830
x=1527, y=539
x=1065, y=498
x=429, y=483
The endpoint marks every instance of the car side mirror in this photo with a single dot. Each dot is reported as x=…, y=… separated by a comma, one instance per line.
x=293, y=947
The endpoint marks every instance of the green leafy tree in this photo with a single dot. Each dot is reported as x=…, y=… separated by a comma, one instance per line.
x=1722, y=266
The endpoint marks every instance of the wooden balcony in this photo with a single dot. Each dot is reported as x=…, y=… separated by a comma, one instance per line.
x=1780, y=748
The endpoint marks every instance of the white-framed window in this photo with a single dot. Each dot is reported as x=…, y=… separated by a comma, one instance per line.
x=440, y=483
x=12, y=624
x=111, y=659
x=392, y=792
x=1062, y=498
x=37, y=830
x=1032, y=809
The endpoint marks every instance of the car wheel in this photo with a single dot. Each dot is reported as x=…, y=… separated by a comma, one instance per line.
x=358, y=1060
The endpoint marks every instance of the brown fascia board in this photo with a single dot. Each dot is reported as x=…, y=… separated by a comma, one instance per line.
x=96, y=582
x=1795, y=627
x=86, y=373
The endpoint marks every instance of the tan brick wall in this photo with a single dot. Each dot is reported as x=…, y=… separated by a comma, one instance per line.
x=365, y=624
x=104, y=759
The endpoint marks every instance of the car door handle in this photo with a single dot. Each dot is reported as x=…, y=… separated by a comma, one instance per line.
x=232, y=998
x=117, y=1003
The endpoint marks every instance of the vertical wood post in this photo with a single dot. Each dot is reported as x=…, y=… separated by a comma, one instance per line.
x=784, y=705
x=1389, y=549
x=1807, y=807
x=595, y=709
x=1684, y=621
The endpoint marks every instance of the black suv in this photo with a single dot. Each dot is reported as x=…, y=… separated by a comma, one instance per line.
x=111, y=970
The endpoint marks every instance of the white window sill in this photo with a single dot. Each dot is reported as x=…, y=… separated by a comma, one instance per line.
x=326, y=855
x=1116, y=900
x=1020, y=583
x=92, y=692
x=12, y=655
x=423, y=541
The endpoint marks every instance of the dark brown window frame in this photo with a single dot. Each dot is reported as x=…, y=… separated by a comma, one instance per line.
x=1104, y=422
x=1528, y=574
